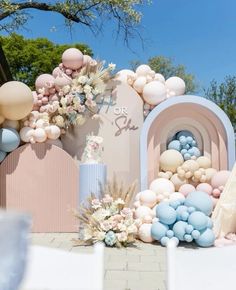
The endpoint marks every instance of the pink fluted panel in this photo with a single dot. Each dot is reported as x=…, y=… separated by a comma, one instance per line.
x=41, y=179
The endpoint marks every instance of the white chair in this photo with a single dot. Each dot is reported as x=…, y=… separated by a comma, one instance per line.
x=53, y=269
x=201, y=269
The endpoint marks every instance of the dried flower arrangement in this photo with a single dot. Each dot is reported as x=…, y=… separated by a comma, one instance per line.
x=109, y=218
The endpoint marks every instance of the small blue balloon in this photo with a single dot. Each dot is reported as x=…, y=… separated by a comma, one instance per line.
x=180, y=209
x=175, y=204
x=198, y=220
x=194, y=143
x=209, y=223
x=189, y=140
x=189, y=229
x=158, y=230
x=187, y=156
x=164, y=241
x=183, y=151
x=188, y=238
x=166, y=214
x=206, y=239
x=182, y=140
x=170, y=234
x=195, y=234
x=184, y=133
x=194, y=151
x=9, y=139
x=179, y=230
x=2, y=155
x=201, y=201
x=175, y=144
x=191, y=209
x=186, y=147
x=184, y=216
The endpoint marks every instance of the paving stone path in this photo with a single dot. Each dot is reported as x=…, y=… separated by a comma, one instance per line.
x=139, y=268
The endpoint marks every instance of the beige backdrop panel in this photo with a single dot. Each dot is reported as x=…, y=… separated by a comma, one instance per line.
x=42, y=180
x=120, y=127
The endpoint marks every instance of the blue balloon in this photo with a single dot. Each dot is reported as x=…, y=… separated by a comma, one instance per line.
x=201, y=201
x=182, y=140
x=184, y=216
x=195, y=234
x=194, y=143
x=175, y=203
x=164, y=241
x=170, y=234
x=194, y=151
x=180, y=209
x=175, y=144
x=187, y=156
x=9, y=139
x=189, y=140
x=158, y=230
x=166, y=214
x=189, y=229
x=198, y=220
x=183, y=151
x=191, y=209
x=179, y=230
x=209, y=223
x=186, y=146
x=188, y=238
x=206, y=239
x=2, y=155
x=184, y=133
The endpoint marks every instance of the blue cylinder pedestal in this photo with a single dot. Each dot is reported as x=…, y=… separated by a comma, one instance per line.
x=91, y=176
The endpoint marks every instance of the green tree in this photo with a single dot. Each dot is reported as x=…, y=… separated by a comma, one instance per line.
x=89, y=13
x=29, y=58
x=166, y=67
x=224, y=95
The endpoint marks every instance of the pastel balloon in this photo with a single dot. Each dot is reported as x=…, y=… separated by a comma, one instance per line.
x=9, y=139
x=148, y=198
x=174, y=144
x=56, y=72
x=160, y=78
x=62, y=80
x=176, y=196
x=158, y=230
x=220, y=178
x=143, y=70
x=185, y=189
x=14, y=124
x=44, y=81
x=162, y=185
x=143, y=211
x=206, y=239
x=198, y=220
x=206, y=187
x=40, y=135
x=122, y=75
x=87, y=59
x=144, y=233
x=72, y=58
x=166, y=214
x=16, y=100
x=177, y=181
x=56, y=142
x=139, y=84
x=204, y=162
x=179, y=230
x=201, y=201
x=154, y=93
x=53, y=132
x=170, y=160
x=177, y=85
x=26, y=133
x=209, y=173
x=3, y=155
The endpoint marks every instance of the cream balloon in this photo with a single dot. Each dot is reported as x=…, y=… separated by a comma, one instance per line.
x=154, y=93
x=40, y=135
x=161, y=186
x=16, y=100
x=11, y=124
x=143, y=70
x=148, y=198
x=26, y=133
x=53, y=132
x=160, y=78
x=176, y=85
x=139, y=84
x=122, y=75
x=170, y=160
x=144, y=233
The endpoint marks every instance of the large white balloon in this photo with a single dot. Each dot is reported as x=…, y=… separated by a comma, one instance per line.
x=139, y=84
x=154, y=93
x=176, y=86
x=143, y=70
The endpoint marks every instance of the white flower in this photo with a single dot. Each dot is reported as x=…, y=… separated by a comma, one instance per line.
x=87, y=89
x=101, y=214
x=66, y=89
x=96, y=203
x=122, y=237
x=112, y=66
x=121, y=227
x=83, y=79
x=119, y=201
x=132, y=229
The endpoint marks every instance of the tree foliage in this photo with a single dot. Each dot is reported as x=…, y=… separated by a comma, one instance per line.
x=28, y=58
x=224, y=95
x=89, y=13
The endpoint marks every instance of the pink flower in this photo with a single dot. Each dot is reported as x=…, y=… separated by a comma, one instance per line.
x=122, y=237
x=117, y=218
x=106, y=226
x=96, y=203
x=126, y=212
x=107, y=199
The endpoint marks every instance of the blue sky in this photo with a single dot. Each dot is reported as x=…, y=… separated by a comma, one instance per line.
x=200, y=34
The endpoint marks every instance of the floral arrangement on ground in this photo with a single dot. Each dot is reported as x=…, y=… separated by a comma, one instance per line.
x=109, y=218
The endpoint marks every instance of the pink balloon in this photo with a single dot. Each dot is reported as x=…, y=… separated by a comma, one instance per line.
x=87, y=59
x=45, y=81
x=185, y=189
x=220, y=178
x=206, y=187
x=62, y=80
x=72, y=58
x=44, y=100
x=56, y=71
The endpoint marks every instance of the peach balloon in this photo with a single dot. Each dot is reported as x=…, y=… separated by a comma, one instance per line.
x=62, y=80
x=137, y=197
x=56, y=72
x=72, y=58
x=144, y=233
x=209, y=173
x=161, y=186
x=26, y=133
x=87, y=59
x=185, y=189
x=206, y=187
x=143, y=211
x=16, y=100
x=139, y=84
x=44, y=81
x=148, y=198
x=176, y=196
x=143, y=70
x=53, y=132
x=204, y=162
x=122, y=75
x=176, y=85
x=220, y=178
x=170, y=160
x=154, y=93
x=160, y=78
x=137, y=204
x=40, y=135
x=177, y=181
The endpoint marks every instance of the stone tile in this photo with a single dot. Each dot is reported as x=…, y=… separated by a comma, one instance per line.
x=115, y=284
x=144, y=266
x=155, y=276
x=122, y=275
x=142, y=285
x=116, y=265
